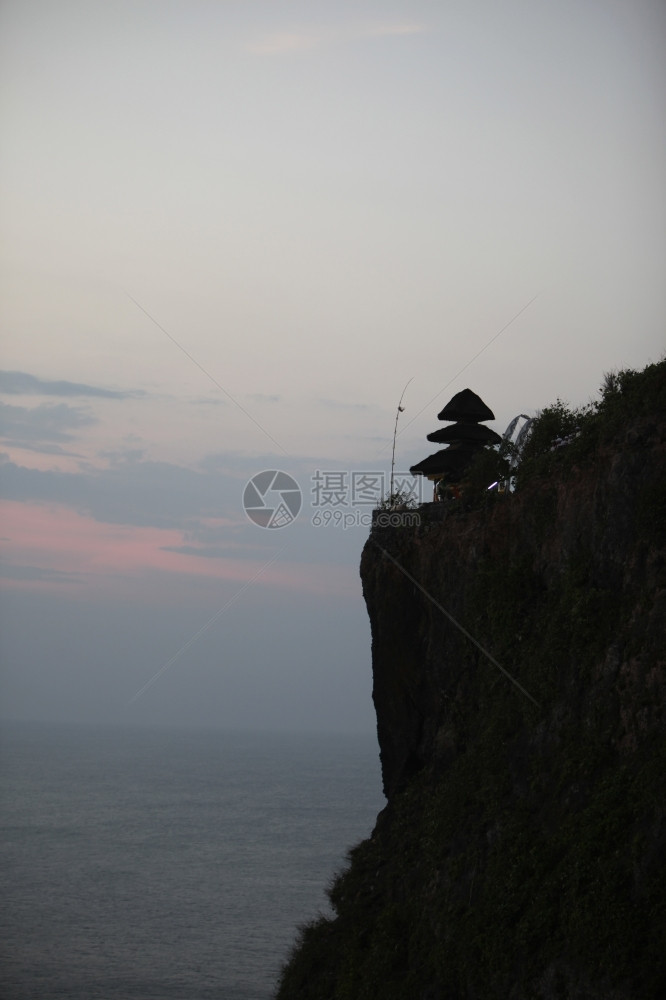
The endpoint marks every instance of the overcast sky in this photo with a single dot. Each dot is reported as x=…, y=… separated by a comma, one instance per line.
x=231, y=232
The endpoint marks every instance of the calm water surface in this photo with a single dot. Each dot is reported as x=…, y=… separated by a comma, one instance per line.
x=159, y=864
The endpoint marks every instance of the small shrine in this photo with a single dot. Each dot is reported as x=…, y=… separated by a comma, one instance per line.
x=464, y=438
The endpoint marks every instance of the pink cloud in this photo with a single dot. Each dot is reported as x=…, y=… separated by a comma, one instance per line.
x=76, y=551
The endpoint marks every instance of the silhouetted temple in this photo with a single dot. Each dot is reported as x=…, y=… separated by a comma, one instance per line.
x=464, y=438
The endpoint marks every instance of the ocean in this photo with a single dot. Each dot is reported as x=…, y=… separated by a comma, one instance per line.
x=151, y=864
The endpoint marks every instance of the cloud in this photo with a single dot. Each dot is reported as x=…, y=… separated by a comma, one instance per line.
x=117, y=558
x=23, y=426
x=207, y=552
x=154, y=494
x=140, y=492
x=209, y=401
x=262, y=397
x=39, y=574
x=44, y=449
x=119, y=456
x=24, y=384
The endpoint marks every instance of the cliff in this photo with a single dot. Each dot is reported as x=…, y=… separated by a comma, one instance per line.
x=519, y=679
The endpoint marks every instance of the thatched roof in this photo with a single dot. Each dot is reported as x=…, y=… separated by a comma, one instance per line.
x=466, y=406
x=448, y=462
x=467, y=433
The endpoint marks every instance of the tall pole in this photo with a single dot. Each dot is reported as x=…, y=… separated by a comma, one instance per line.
x=395, y=434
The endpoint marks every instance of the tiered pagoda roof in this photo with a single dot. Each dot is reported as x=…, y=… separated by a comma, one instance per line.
x=467, y=407
x=464, y=437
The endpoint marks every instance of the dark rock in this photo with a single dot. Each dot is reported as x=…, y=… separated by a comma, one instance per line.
x=519, y=681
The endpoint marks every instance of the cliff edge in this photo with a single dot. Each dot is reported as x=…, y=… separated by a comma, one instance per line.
x=519, y=679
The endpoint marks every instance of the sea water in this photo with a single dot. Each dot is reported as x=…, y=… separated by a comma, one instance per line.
x=157, y=864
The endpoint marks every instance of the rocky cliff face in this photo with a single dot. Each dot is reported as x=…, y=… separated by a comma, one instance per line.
x=519, y=682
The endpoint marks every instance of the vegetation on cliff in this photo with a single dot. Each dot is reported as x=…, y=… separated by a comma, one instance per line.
x=521, y=852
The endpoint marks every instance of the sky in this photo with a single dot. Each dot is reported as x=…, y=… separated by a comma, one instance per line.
x=232, y=232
